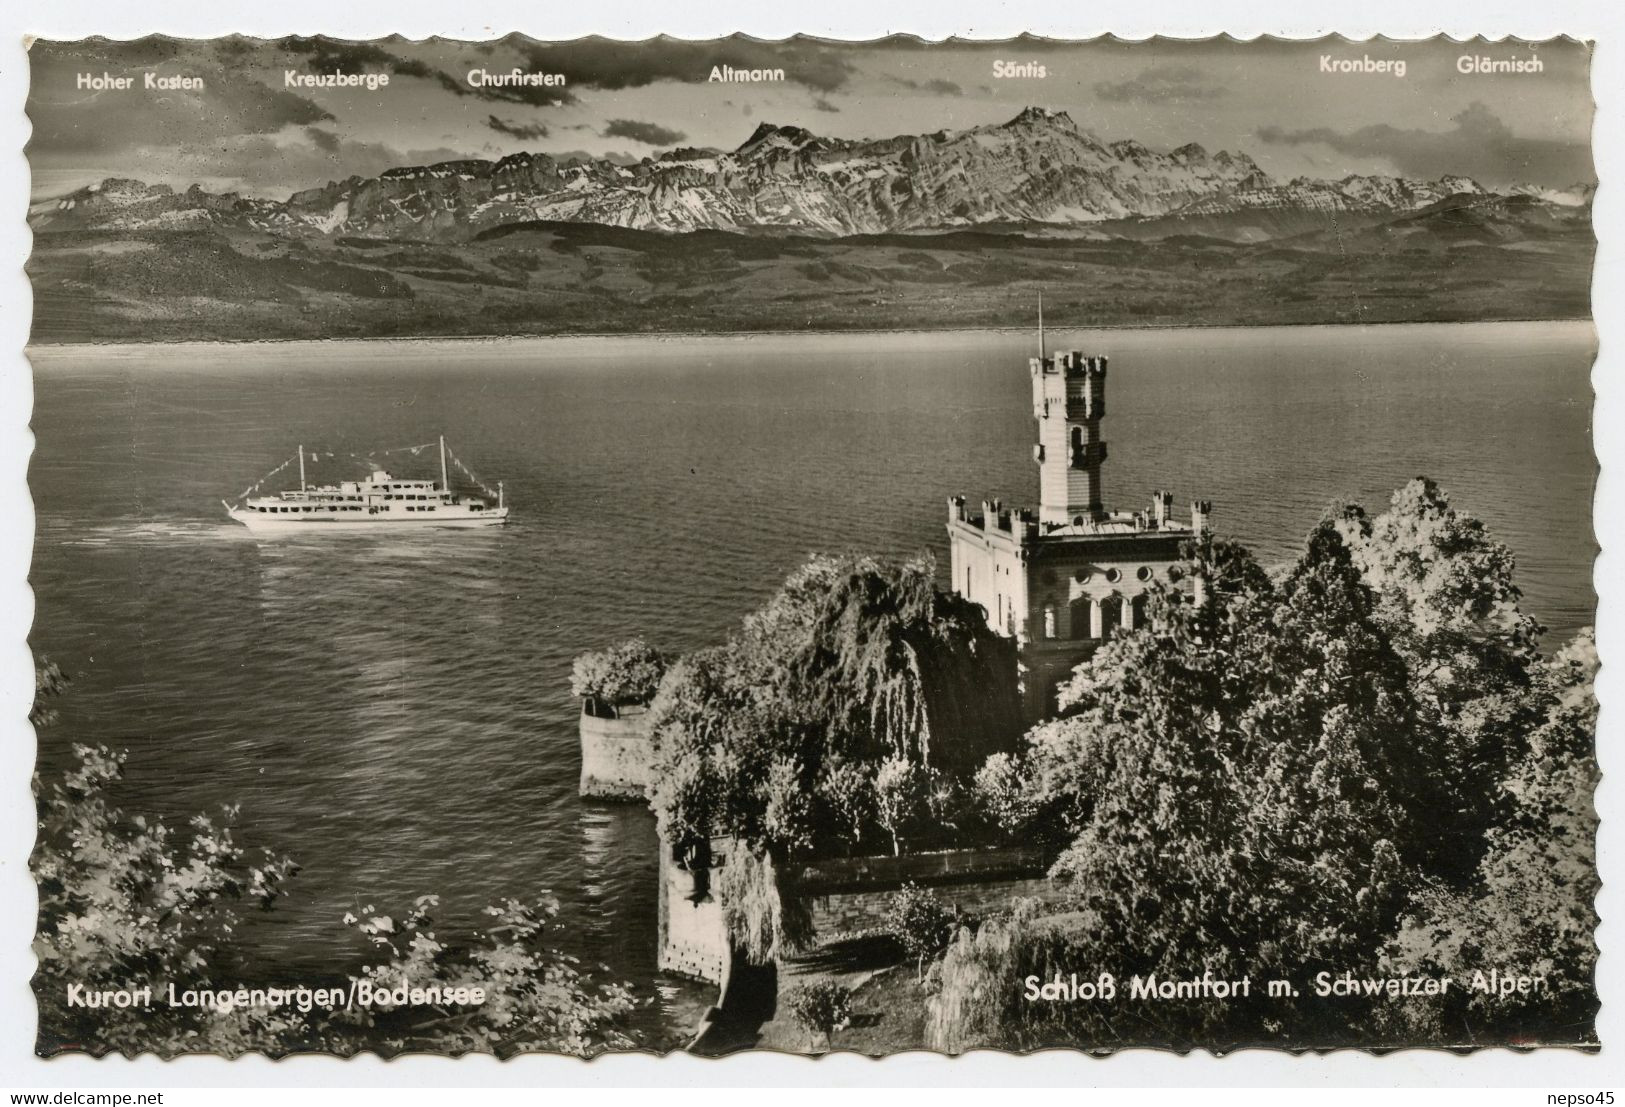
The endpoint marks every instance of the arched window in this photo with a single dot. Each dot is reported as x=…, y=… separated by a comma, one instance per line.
x=1111, y=614
x=1049, y=620
x=1078, y=618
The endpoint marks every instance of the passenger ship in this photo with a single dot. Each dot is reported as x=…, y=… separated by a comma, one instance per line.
x=379, y=501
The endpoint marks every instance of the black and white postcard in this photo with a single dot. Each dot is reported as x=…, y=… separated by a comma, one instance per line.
x=812, y=546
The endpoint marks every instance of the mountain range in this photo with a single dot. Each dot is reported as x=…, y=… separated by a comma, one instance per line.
x=1038, y=172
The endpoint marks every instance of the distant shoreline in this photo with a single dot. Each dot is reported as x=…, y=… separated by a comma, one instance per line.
x=809, y=333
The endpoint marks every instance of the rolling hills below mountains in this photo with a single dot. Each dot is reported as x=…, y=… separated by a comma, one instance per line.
x=793, y=231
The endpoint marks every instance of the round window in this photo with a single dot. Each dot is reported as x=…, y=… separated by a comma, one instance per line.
x=1114, y=575
x=1143, y=572
x=1082, y=576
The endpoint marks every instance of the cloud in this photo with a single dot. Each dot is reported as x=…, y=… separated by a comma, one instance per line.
x=1162, y=84
x=936, y=85
x=650, y=134
x=524, y=132
x=325, y=55
x=69, y=121
x=597, y=63
x=326, y=141
x=607, y=64
x=1478, y=145
x=821, y=104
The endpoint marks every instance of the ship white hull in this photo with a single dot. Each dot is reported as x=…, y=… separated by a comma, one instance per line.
x=322, y=523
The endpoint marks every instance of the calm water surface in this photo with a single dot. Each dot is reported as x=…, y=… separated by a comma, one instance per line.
x=394, y=711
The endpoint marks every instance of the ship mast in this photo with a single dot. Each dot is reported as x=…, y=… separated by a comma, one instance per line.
x=301, y=467
x=444, y=484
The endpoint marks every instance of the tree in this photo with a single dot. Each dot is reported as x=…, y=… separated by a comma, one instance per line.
x=1531, y=910
x=788, y=817
x=1448, y=601
x=921, y=923
x=900, y=791
x=1004, y=794
x=624, y=675
x=1269, y=781
x=978, y=1001
x=820, y=1006
x=834, y=675
x=846, y=789
x=1242, y=777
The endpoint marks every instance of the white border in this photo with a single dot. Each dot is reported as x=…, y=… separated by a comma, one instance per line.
x=69, y=19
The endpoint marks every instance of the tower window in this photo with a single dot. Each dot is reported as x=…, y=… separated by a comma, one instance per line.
x=1049, y=621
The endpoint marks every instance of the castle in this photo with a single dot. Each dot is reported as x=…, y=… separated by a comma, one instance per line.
x=1064, y=580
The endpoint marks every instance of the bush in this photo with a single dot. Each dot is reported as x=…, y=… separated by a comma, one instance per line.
x=820, y=1007
x=922, y=924
x=130, y=903
x=535, y=998
x=49, y=683
x=978, y=1001
x=626, y=674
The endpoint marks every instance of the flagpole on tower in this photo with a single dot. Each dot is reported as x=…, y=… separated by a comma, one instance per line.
x=301, y=467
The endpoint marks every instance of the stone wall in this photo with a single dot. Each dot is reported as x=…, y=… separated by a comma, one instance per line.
x=693, y=938
x=844, y=895
x=615, y=754
x=851, y=895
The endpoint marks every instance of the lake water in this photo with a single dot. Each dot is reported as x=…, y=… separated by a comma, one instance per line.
x=394, y=711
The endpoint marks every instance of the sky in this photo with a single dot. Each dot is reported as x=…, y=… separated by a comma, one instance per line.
x=247, y=131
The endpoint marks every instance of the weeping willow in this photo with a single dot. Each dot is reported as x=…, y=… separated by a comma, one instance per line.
x=853, y=658
x=865, y=650
x=761, y=921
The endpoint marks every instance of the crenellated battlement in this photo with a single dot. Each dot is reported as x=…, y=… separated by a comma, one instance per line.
x=1016, y=523
x=1069, y=363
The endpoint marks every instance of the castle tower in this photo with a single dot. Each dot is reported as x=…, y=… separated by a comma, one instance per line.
x=1069, y=400
x=1065, y=579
